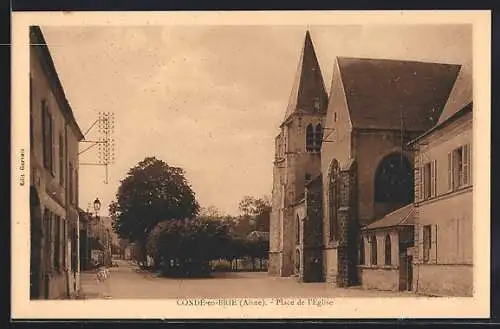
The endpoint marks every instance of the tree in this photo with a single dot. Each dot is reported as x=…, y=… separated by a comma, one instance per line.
x=151, y=192
x=258, y=210
x=210, y=212
x=185, y=247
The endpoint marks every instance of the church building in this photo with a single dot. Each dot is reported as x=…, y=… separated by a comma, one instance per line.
x=342, y=160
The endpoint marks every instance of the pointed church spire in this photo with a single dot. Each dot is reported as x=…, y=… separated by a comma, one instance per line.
x=308, y=91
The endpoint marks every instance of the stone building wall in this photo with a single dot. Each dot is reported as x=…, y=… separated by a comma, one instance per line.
x=57, y=212
x=449, y=215
x=369, y=149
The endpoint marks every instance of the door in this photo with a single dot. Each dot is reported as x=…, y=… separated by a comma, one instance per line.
x=409, y=279
x=403, y=272
x=317, y=269
x=36, y=244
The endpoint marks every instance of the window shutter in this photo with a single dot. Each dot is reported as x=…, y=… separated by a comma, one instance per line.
x=420, y=242
x=53, y=147
x=450, y=171
x=470, y=163
x=433, y=178
x=433, y=252
x=417, y=175
x=465, y=164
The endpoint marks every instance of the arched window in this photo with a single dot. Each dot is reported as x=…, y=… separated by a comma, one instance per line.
x=373, y=247
x=309, y=138
x=333, y=199
x=394, y=180
x=316, y=104
x=362, y=251
x=387, y=249
x=297, y=230
x=318, y=137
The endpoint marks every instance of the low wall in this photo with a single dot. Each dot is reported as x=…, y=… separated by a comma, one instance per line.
x=379, y=278
x=443, y=280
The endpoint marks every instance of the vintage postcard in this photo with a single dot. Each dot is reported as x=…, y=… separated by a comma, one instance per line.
x=251, y=164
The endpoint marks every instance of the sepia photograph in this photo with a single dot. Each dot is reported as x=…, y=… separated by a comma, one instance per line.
x=258, y=165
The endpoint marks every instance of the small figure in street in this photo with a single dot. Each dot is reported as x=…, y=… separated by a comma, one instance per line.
x=102, y=276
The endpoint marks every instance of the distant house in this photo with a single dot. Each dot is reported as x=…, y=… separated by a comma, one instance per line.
x=258, y=235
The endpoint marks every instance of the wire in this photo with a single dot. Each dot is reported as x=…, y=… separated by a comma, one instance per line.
x=88, y=148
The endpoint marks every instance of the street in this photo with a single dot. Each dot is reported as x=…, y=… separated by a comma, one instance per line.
x=127, y=281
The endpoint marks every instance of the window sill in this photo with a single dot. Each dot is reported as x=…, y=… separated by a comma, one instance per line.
x=378, y=267
x=459, y=190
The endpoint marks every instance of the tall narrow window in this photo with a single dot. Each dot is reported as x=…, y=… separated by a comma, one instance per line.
x=466, y=165
x=57, y=242
x=316, y=104
x=458, y=169
x=433, y=178
x=64, y=243
x=373, y=247
x=429, y=180
x=76, y=186
x=309, y=138
x=318, y=138
x=70, y=177
x=427, y=242
x=450, y=171
x=47, y=233
x=61, y=159
x=387, y=249
x=333, y=200
x=297, y=230
x=362, y=251
x=47, y=137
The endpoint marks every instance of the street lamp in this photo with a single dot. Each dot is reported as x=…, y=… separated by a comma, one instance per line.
x=97, y=206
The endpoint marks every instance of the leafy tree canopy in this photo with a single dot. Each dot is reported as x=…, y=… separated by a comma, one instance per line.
x=151, y=192
x=258, y=210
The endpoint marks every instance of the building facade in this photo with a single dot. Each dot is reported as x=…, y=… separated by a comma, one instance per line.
x=358, y=159
x=54, y=137
x=384, y=260
x=443, y=254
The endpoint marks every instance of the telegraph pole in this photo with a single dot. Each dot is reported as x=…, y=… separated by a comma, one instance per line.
x=106, y=144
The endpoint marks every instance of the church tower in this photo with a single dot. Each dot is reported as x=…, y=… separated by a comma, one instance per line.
x=297, y=156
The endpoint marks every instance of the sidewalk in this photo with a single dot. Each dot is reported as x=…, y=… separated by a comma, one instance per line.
x=90, y=288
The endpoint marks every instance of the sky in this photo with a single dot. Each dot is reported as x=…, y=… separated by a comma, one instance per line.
x=209, y=99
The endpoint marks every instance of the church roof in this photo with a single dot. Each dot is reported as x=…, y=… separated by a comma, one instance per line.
x=460, y=96
x=458, y=104
x=402, y=216
x=309, y=85
x=383, y=93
